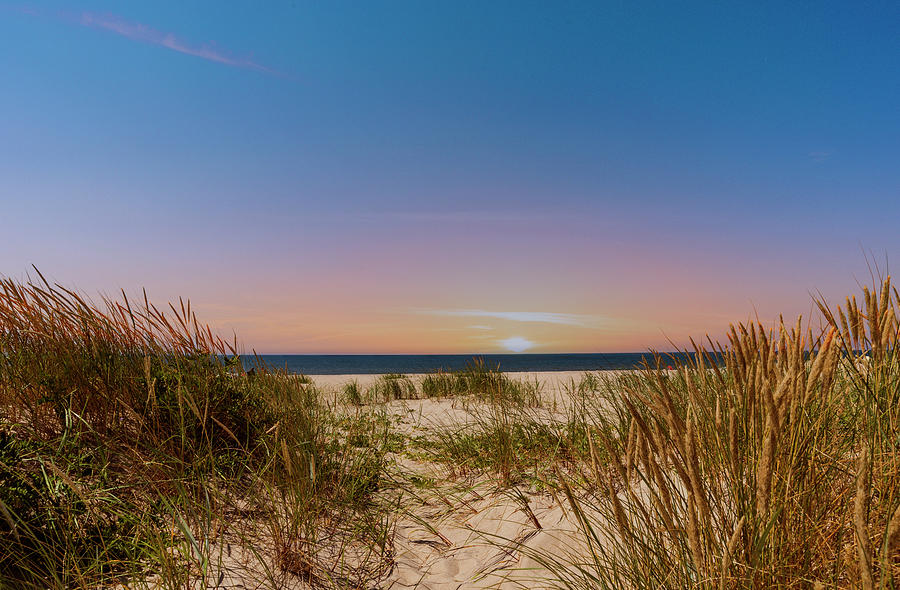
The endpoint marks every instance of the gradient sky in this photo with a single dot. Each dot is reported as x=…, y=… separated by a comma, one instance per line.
x=403, y=177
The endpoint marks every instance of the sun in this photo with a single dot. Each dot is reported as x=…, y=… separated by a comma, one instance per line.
x=516, y=344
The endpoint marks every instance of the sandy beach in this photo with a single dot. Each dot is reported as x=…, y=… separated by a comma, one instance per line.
x=551, y=382
x=467, y=531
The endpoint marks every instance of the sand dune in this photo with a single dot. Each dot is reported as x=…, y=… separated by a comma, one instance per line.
x=468, y=532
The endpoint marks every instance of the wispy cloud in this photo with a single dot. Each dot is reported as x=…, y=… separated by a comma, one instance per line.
x=541, y=317
x=143, y=33
x=516, y=344
x=480, y=327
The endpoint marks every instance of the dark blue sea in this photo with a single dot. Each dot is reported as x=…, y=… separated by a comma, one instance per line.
x=361, y=364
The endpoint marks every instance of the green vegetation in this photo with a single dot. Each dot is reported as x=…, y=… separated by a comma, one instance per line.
x=392, y=386
x=483, y=383
x=352, y=393
x=129, y=448
x=519, y=449
x=135, y=450
x=509, y=434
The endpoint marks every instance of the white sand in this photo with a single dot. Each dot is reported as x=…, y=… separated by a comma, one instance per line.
x=459, y=533
x=471, y=534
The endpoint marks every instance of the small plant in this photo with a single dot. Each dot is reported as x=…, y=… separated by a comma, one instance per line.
x=353, y=393
x=441, y=384
x=393, y=386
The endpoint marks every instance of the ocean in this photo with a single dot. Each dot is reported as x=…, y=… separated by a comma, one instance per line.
x=362, y=364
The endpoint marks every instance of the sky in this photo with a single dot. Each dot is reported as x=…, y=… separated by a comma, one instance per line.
x=453, y=177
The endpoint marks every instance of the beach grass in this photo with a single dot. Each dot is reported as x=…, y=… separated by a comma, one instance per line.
x=777, y=468
x=136, y=450
x=511, y=432
x=353, y=394
x=391, y=387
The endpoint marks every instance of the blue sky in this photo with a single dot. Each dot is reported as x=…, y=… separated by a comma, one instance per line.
x=373, y=160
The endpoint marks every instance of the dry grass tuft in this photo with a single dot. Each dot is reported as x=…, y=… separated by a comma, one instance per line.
x=757, y=463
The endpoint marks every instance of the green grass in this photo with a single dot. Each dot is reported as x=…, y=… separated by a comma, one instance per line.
x=352, y=393
x=510, y=434
x=483, y=383
x=128, y=435
x=520, y=451
x=392, y=386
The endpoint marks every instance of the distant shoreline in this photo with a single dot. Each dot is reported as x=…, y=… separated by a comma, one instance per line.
x=356, y=364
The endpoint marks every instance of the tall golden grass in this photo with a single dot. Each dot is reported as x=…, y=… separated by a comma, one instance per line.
x=776, y=467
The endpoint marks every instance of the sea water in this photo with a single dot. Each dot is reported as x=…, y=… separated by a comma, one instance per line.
x=362, y=364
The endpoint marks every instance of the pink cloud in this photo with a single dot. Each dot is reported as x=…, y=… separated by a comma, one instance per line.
x=145, y=34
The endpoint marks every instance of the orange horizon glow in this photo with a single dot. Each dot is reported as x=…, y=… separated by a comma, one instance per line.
x=649, y=312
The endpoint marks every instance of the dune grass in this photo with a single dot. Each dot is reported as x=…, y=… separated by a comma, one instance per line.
x=482, y=382
x=352, y=393
x=772, y=460
x=778, y=469
x=392, y=386
x=512, y=434
x=476, y=381
x=134, y=448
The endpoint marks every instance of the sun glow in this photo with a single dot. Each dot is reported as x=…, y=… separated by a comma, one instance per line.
x=516, y=344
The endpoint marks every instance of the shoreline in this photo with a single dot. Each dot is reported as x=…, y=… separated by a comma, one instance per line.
x=553, y=380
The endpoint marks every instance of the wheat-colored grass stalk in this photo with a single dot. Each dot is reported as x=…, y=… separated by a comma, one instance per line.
x=729, y=552
x=763, y=436
x=890, y=547
x=860, y=519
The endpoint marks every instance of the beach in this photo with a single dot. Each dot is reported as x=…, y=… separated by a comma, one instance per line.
x=195, y=472
x=552, y=382
x=466, y=530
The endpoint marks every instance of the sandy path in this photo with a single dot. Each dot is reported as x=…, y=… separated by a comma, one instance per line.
x=462, y=534
x=473, y=535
